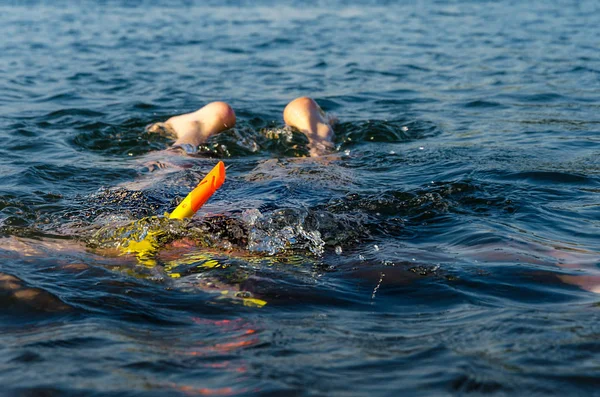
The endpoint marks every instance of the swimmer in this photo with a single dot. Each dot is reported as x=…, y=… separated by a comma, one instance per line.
x=194, y=129
x=189, y=130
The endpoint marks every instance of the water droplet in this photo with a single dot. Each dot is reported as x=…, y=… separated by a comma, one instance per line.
x=376, y=247
x=421, y=148
x=404, y=128
x=338, y=250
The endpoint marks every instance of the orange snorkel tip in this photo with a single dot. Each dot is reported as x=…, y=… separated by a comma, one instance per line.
x=200, y=195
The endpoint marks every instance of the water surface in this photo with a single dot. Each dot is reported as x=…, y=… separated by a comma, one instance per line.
x=450, y=247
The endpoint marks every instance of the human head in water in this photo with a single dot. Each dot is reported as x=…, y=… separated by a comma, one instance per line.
x=193, y=129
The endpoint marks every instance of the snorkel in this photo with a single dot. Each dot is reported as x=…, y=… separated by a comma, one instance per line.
x=146, y=248
x=200, y=195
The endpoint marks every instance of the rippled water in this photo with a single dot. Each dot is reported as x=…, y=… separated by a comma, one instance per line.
x=450, y=247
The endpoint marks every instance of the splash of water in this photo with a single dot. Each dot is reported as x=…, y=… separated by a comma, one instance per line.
x=282, y=230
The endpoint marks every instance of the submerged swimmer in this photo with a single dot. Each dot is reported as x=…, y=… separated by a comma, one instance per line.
x=221, y=233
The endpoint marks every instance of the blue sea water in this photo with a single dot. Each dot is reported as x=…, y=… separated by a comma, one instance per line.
x=451, y=246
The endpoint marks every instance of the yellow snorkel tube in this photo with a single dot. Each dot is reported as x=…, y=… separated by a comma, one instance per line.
x=200, y=195
x=147, y=247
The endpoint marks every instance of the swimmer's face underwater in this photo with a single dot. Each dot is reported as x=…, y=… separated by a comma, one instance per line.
x=217, y=231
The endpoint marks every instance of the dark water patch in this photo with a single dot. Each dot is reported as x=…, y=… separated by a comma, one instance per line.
x=144, y=106
x=47, y=176
x=579, y=69
x=27, y=357
x=64, y=115
x=127, y=139
x=562, y=122
x=132, y=310
x=384, y=73
x=81, y=76
x=71, y=343
x=22, y=129
x=21, y=145
x=64, y=98
x=159, y=367
x=37, y=391
x=100, y=391
x=427, y=204
x=475, y=382
x=405, y=103
x=385, y=131
x=483, y=104
x=549, y=178
x=536, y=99
x=356, y=99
